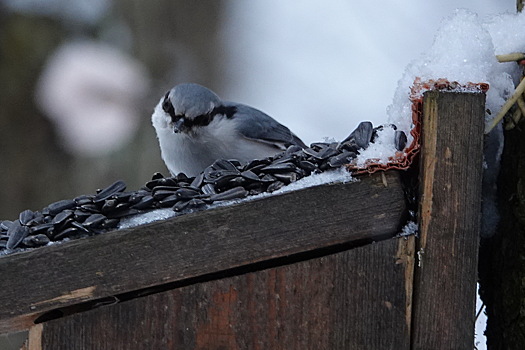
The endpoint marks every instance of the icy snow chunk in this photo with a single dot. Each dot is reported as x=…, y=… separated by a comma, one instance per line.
x=507, y=32
x=462, y=51
x=146, y=218
x=409, y=229
x=331, y=176
x=381, y=149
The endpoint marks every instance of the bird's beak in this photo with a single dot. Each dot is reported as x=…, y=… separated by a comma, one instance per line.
x=177, y=126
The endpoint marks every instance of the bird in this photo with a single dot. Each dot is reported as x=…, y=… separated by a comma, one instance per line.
x=195, y=128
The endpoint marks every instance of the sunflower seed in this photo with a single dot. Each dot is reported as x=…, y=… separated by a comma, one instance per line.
x=186, y=193
x=81, y=200
x=79, y=226
x=91, y=207
x=36, y=240
x=360, y=137
x=65, y=233
x=280, y=167
x=57, y=207
x=286, y=177
x=197, y=182
x=169, y=201
x=275, y=186
x=80, y=215
x=26, y=216
x=109, y=205
x=157, y=176
x=268, y=178
x=308, y=166
x=250, y=175
x=117, y=186
x=61, y=217
x=162, y=192
x=233, y=193
x=6, y=224
x=94, y=220
x=144, y=203
x=40, y=228
x=327, y=153
x=293, y=149
x=17, y=232
x=110, y=223
x=341, y=159
x=208, y=189
x=400, y=140
x=180, y=206
x=195, y=203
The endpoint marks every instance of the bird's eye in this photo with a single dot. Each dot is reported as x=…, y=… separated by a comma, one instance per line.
x=167, y=106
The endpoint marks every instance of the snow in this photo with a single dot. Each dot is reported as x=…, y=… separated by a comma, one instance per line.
x=146, y=218
x=481, y=324
x=381, y=149
x=463, y=50
x=410, y=229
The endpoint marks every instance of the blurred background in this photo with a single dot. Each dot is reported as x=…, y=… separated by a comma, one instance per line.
x=80, y=78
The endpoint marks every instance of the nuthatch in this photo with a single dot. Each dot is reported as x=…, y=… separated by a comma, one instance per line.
x=195, y=128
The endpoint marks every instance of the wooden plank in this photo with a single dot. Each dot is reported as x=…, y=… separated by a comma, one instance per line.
x=356, y=299
x=450, y=207
x=196, y=244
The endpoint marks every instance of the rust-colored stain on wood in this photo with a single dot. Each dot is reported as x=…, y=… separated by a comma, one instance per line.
x=349, y=300
x=217, y=329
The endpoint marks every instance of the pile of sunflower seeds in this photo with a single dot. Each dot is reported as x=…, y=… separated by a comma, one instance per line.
x=88, y=215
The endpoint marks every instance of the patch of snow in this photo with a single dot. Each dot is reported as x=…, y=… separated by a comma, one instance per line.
x=463, y=50
x=381, y=149
x=480, y=340
x=410, y=229
x=340, y=175
x=146, y=218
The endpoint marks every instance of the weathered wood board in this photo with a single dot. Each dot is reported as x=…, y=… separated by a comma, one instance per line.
x=356, y=299
x=192, y=245
x=450, y=208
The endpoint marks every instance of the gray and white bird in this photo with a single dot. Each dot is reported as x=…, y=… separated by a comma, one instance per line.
x=195, y=128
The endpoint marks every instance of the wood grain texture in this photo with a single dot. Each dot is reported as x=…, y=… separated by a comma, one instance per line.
x=350, y=300
x=451, y=171
x=196, y=244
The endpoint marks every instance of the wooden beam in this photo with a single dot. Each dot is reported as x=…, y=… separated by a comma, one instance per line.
x=355, y=299
x=197, y=244
x=450, y=206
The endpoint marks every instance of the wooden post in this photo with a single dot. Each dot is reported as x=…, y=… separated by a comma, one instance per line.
x=450, y=204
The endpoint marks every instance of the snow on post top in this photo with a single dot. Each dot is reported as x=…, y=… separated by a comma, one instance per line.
x=464, y=51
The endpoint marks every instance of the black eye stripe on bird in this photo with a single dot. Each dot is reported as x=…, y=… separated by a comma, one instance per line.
x=167, y=106
x=206, y=119
x=195, y=128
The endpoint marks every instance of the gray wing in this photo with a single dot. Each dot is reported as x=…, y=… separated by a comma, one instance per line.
x=256, y=125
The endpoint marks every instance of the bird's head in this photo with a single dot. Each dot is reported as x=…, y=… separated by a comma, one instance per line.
x=189, y=105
